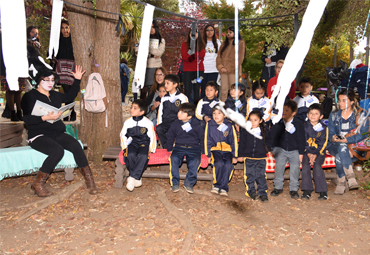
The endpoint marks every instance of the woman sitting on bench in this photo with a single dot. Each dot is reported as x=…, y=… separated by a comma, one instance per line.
x=47, y=136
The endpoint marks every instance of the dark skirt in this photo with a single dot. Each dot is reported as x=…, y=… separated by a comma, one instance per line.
x=22, y=82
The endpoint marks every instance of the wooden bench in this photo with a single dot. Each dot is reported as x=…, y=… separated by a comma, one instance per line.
x=10, y=134
x=115, y=153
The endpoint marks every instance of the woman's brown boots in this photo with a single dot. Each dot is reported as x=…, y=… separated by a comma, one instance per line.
x=89, y=180
x=39, y=185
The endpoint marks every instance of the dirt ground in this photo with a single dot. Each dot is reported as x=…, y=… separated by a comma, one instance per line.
x=153, y=220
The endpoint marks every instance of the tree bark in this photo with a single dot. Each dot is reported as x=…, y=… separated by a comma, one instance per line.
x=96, y=41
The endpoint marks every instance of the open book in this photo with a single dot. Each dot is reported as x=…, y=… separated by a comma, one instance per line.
x=42, y=109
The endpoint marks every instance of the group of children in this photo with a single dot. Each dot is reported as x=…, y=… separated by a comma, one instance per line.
x=186, y=130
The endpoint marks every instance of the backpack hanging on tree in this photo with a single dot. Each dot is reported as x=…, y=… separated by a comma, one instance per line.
x=95, y=98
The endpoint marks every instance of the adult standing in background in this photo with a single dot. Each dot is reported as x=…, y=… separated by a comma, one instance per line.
x=192, y=62
x=156, y=49
x=64, y=62
x=270, y=56
x=212, y=47
x=225, y=61
x=273, y=81
x=124, y=72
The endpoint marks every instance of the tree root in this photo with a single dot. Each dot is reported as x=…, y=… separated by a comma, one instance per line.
x=185, y=223
x=64, y=194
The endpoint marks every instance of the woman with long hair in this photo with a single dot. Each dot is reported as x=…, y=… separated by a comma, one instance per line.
x=225, y=61
x=193, y=67
x=341, y=124
x=212, y=47
x=158, y=78
x=156, y=49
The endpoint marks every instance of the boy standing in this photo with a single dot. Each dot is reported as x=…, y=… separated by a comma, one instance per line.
x=189, y=137
x=205, y=105
x=288, y=139
x=305, y=98
x=316, y=142
x=221, y=148
x=137, y=138
x=169, y=107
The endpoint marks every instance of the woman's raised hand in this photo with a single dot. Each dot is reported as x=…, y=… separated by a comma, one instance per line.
x=78, y=74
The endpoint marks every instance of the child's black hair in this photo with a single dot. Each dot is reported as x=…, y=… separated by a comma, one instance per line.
x=188, y=108
x=172, y=78
x=259, y=84
x=316, y=106
x=241, y=87
x=305, y=80
x=212, y=84
x=142, y=104
x=262, y=126
x=160, y=86
x=292, y=105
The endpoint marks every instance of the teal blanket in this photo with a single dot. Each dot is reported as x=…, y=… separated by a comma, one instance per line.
x=17, y=161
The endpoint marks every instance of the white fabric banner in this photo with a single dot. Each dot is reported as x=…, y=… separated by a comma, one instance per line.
x=56, y=20
x=14, y=41
x=297, y=54
x=142, y=56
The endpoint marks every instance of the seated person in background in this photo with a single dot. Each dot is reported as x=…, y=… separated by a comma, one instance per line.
x=314, y=155
x=287, y=137
x=273, y=81
x=258, y=101
x=221, y=148
x=138, y=139
x=189, y=142
x=153, y=107
x=169, y=107
x=305, y=98
x=205, y=105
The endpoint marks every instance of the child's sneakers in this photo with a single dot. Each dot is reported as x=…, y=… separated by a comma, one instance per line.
x=323, y=196
x=223, y=193
x=263, y=198
x=130, y=183
x=215, y=190
x=175, y=188
x=306, y=194
x=138, y=183
x=254, y=196
x=189, y=189
x=294, y=194
x=276, y=192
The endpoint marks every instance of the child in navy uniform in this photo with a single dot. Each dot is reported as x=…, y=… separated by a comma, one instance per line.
x=169, y=107
x=189, y=137
x=305, y=98
x=258, y=101
x=288, y=139
x=152, y=113
x=316, y=142
x=138, y=139
x=241, y=103
x=206, y=104
x=253, y=151
x=221, y=147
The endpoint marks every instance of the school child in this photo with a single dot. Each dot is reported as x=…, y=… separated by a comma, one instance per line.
x=233, y=102
x=221, y=148
x=305, y=98
x=153, y=107
x=169, y=107
x=258, y=101
x=253, y=151
x=288, y=139
x=137, y=140
x=316, y=142
x=189, y=142
x=205, y=105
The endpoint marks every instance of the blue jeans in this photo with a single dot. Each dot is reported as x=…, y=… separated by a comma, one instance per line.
x=281, y=158
x=206, y=78
x=268, y=73
x=124, y=88
x=193, y=156
x=342, y=158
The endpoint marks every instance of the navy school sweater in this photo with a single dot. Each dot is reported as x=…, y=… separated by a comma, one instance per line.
x=252, y=147
x=169, y=107
x=204, y=107
x=230, y=103
x=316, y=138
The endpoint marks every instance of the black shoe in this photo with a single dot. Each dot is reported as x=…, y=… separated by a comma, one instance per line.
x=13, y=116
x=306, y=194
x=294, y=194
x=263, y=198
x=276, y=192
x=323, y=196
x=253, y=196
x=73, y=116
x=6, y=112
x=19, y=115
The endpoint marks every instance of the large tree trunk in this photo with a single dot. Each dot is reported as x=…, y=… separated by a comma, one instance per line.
x=95, y=41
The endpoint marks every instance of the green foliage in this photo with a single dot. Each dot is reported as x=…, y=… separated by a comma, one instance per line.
x=169, y=5
x=365, y=185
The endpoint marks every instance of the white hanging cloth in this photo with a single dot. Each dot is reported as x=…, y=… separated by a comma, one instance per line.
x=297, y=53
x=56, y=20
x=142, y=56
x=14, y=41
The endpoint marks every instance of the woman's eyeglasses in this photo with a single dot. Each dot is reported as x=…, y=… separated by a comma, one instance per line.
x=50, y=81
x=160, y=74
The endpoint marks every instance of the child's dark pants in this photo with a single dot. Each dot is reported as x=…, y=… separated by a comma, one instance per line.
x=255, y=171
x=222, y=169
x=318, y=174
x=136, y=159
